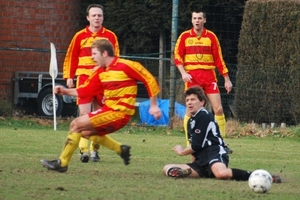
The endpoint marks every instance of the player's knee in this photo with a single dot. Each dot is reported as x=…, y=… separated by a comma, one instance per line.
x=165, y=169
x=74, y=125
x=83, y=112
x=218, y=110
x=221, y=174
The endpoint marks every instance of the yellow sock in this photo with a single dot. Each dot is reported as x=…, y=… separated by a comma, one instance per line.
x=70, y=146
x=185, y=127
x=84, y=145
x=107, y=142
x=222, y=124
x=94, y=146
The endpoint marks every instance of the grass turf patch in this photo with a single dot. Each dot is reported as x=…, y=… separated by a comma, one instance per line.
x=22, y=176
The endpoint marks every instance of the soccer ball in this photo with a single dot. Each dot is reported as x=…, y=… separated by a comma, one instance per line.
x=260, y=181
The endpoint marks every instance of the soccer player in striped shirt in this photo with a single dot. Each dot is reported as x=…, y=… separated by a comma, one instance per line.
x=118, y=79
x=78, y=62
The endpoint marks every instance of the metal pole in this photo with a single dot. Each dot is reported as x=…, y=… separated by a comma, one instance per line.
x=172, y=67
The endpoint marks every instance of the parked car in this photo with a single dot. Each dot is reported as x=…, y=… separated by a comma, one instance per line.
x=37, y=87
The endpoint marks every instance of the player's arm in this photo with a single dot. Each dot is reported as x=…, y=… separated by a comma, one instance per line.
x=116, y=45
x=61, y=90
x=179, y=150
x=227, y=84
x=186, y=77
x=179, y=53
x=140, y=73
x=220, y=64
x=92, y=86
x=70, y=64
x=154, y=110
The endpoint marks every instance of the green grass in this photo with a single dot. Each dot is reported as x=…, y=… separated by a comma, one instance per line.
x=22, y=176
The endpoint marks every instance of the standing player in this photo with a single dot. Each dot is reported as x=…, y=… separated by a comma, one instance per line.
x=207, y=145
x=78, y=62
x=197, y=54
x=118, y=79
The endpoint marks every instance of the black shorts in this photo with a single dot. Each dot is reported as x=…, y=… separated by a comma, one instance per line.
x=206, y=158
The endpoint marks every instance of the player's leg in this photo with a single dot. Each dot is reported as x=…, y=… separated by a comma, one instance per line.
x=179, y=171
x=220, y=171
x=208, y=81
x=84, y=106
x=84, y=143
x=108, y=142
x=185, y=120
x=185, y=127
x=107, y=121
x=71, y=144
x=216, y=104
x=94, y=148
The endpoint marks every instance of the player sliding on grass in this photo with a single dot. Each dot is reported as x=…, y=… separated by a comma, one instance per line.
x=118, y=78
x=206, y=145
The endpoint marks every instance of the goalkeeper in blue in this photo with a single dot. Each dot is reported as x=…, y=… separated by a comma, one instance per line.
x=206, y=145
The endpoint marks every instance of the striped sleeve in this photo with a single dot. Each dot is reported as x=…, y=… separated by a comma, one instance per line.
x=136, y=71
x=217, y=54
x=72, y=57
x=91, y=87
x=179, y=50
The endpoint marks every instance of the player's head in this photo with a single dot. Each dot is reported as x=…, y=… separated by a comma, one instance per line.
x=198, y=19
x=104, y=45
x=197, y=10
x=94, y=14
x=195, y=99
x=101, y=50
x=94, y=5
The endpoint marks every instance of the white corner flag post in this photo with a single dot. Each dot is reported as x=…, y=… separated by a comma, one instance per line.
x=53, y=73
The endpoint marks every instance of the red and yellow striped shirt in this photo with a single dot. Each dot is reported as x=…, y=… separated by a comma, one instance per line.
x=78, y=58
x=199, y=52
x=119, y=82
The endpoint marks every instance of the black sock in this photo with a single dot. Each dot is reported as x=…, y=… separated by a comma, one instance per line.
x=240, y=175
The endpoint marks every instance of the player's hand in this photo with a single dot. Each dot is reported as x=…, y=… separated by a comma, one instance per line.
x=178, y=149
x=186, y=77
x=228, y=86
x=155, y=112
x=70, y=83
x=58, y=90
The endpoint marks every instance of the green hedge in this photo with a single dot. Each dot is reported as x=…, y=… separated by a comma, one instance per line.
x=268, y=76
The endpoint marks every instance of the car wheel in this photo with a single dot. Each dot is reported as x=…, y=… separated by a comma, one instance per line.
x=45, y=103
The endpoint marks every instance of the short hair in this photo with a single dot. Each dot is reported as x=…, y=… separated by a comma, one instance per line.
x=94, y=5
x=197, y=90
x=198, y=10
x=104, y=45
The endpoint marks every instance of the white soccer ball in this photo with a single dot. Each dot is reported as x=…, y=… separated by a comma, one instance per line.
x=260, y=181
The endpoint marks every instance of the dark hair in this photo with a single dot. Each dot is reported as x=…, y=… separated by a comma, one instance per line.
x=104, y=45
x=197, y=90
x=197, y=10
x=93, y=6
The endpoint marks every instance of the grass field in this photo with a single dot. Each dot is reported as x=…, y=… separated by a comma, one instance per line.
x=22, y=177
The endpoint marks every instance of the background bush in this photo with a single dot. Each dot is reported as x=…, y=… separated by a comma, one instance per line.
x=267, y=80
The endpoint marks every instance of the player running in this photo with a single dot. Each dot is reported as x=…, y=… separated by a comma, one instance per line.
x=118, y=78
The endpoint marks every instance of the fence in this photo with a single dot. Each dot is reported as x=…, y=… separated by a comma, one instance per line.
x=224, y=20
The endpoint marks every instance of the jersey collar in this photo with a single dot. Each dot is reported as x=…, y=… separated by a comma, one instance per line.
x=193, y=33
